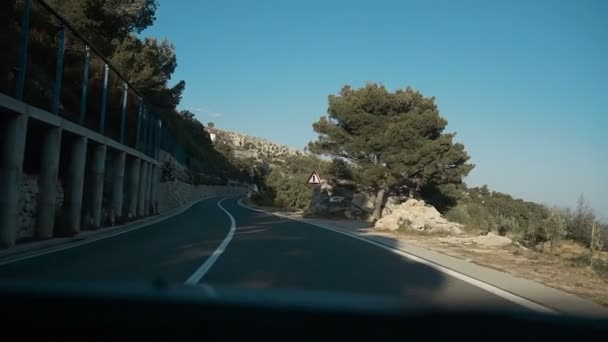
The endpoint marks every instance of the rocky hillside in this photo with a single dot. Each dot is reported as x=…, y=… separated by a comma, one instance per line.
x=247, y=146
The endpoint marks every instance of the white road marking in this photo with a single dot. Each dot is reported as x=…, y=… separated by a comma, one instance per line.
x=200, y=272
x=470, y=280
x=102, y=237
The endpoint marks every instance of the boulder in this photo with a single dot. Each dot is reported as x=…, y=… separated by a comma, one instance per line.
x=392, y=203
x=390, y=222
x=415, y=214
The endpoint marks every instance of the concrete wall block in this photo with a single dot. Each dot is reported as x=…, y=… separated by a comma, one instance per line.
x=48, y=182
x=118, y=180
x=74, y=187
x=132, y=184
x=97, y=171
x=13, y=132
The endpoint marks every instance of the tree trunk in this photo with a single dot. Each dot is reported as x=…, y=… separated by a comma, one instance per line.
x=410, y=192
x=377, y=213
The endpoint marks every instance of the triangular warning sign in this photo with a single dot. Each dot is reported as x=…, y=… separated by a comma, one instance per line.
x=314, y=179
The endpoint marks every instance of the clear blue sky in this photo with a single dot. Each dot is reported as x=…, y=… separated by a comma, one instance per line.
x=523, y=83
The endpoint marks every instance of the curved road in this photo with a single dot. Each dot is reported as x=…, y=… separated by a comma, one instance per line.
x=263, y=251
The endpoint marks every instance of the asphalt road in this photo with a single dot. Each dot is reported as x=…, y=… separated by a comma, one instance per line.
x=265, y=252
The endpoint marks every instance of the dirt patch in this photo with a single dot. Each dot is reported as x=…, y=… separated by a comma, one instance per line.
x=559, y=268
x=489, y=240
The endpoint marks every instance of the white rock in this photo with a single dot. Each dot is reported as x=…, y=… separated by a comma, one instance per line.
x=419, y=216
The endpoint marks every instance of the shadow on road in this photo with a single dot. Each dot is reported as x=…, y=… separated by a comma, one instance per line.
x=270, y=252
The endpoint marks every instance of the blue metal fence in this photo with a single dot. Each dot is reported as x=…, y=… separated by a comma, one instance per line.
x=52, y=66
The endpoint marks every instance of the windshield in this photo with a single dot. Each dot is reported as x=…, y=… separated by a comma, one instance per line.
x=437, y=154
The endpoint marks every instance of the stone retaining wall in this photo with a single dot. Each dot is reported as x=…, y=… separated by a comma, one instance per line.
x=172, y=194
x=28, y=205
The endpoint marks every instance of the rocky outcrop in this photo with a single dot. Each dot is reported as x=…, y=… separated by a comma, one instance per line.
x=171, y=168
x=247, y=146
x=416, y=214
x=177, y=188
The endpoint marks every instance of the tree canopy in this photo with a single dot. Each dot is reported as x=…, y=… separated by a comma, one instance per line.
x=395, y=139
x=107, y=21
x=148, y=64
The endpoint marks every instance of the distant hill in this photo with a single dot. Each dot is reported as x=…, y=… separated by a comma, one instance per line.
x=246, y=146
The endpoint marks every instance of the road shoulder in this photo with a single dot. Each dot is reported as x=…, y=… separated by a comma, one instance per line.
x=543, y=295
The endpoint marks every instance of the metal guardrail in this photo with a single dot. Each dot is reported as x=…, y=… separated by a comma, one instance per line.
x=52, y=66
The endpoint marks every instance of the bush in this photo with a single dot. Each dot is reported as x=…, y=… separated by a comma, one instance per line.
x=482, y=210
x=265, y=198
x=286, y=182
x=458, y=214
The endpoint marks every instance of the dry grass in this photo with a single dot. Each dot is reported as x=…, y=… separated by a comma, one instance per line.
x=564, y=267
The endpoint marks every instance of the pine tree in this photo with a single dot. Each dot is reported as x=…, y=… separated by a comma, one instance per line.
x=395, y=140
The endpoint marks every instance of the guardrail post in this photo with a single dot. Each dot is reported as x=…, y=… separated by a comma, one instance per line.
x=150, y=130
x=97, y=169
x=156, y=137
x=133, y=186
x=58, y=70
x=139, y=116
x=23, y=41
x=74, y=185
x=85, y=84
x=151, y=122
x=144, y=127
x=104, y=95
x=47, y=198
x=123, y=120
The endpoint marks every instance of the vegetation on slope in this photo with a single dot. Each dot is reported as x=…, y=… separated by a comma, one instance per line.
x=148, y=64
x=394, y=144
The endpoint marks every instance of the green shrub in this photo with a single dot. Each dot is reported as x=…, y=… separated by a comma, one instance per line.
x=287, y=181
x=265, y=198
x=459, y=214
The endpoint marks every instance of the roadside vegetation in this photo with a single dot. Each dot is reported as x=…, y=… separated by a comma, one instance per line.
x=285, y=186
x=395, y=144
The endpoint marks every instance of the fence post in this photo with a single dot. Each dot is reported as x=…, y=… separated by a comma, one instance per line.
x=151, y=134
x=158, y=137
x=123, y=121
x=139, y=117
x=144, y=127
x=104, y=95
x=23, y=40
x=85, y=84
x=58, y=70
